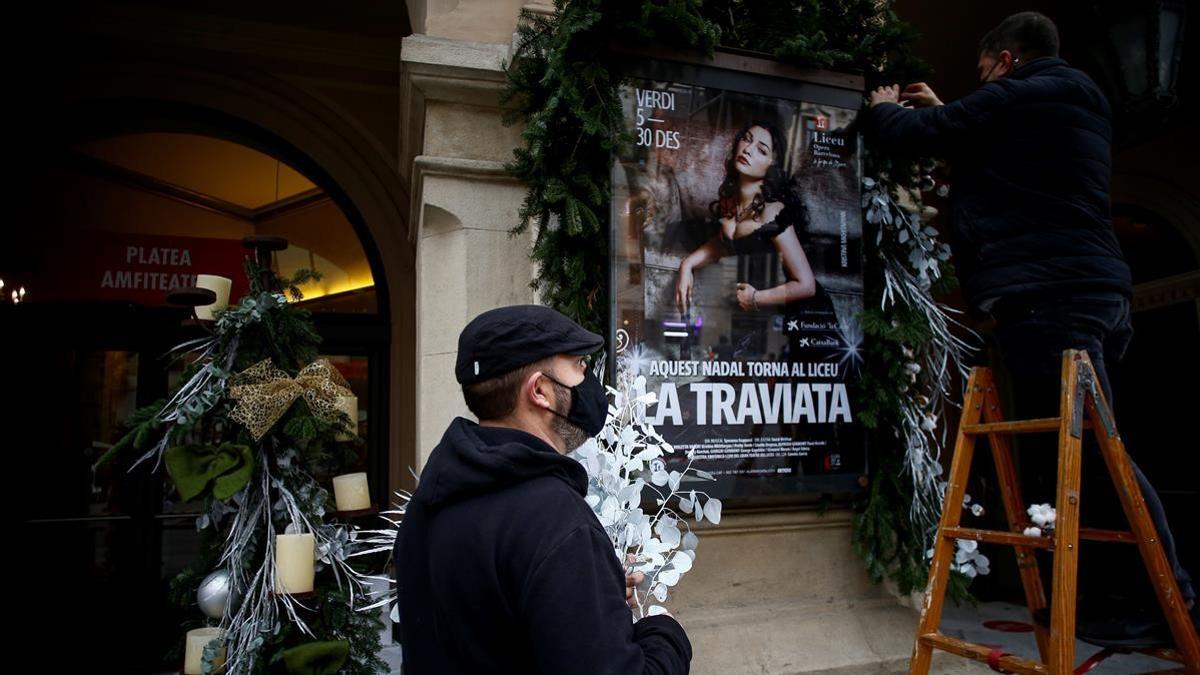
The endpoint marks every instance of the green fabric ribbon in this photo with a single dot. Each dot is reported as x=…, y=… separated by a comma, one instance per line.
x=227, y=467
x=317, y=658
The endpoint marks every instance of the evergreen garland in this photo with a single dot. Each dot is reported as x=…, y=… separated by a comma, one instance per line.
x=565, y=89
x=566, y=95
x=855, y=35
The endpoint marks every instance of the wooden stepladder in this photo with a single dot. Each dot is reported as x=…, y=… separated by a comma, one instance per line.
x=1082, y=407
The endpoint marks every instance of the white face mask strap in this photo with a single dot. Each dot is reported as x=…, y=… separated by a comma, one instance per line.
x=1015, y=60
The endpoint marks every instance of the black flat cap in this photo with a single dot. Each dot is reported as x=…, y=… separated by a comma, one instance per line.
x=504, y=339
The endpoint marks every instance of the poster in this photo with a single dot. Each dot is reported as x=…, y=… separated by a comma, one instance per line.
x=737, y=274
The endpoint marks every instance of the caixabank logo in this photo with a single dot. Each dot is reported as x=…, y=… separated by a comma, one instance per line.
x=819, y=341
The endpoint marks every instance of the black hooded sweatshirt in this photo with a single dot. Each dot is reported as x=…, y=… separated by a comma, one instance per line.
x=502, y=567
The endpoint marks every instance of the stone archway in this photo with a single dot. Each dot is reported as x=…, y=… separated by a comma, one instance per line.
x=275, y=116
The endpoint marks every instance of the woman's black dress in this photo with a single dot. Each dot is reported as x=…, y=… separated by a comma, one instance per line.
x=809, y=323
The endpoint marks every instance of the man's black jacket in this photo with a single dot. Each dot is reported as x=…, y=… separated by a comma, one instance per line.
x=1031, y=159
x=502, y=567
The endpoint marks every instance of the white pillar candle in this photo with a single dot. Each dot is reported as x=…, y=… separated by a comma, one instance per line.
x=351, y=493
x=218, y=285
x=294, y=555
x=349, y=405
x=193, y=658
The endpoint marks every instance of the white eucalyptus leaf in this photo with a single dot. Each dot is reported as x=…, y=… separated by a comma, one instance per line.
x=712, y=510
x=648, y=453
x=670, y=536
x=654, y=546
x=631, y=492
x=690, y=541
x=628, y=436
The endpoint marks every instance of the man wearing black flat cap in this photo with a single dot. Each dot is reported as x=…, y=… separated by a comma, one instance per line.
x=501, y=566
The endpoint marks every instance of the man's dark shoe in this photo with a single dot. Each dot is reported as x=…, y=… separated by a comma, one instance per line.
x=1122, y=627
x=1140, y=628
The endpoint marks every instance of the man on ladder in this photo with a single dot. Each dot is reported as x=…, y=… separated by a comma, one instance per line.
x=1032, y=232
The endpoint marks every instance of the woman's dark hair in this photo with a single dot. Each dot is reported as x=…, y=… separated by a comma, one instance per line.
x=774, y=183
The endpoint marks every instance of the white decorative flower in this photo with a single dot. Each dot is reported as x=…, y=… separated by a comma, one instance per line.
x=1033, y=532
x=1042, y=515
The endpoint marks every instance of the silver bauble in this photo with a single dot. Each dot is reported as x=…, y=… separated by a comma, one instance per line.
x=213, y=594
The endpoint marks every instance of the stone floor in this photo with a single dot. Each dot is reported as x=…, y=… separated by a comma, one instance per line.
x=966, y=623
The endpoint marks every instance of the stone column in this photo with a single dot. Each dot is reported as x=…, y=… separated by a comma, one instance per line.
x=463, y=206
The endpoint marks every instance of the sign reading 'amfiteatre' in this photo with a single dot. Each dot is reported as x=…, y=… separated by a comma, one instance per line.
x=141, y=268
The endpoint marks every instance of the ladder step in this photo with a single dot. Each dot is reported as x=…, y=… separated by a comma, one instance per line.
x=1015, y=539
x=1045, y=424
x=1014, y=427
x=1117, y=536
x=998, y=537
x=1012, y=664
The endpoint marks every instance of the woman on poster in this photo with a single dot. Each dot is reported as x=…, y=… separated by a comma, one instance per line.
x=757, y=214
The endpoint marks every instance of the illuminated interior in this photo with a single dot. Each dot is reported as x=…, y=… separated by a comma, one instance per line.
x=168, y=192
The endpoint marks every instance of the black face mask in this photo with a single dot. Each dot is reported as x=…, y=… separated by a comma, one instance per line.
x=589, y=404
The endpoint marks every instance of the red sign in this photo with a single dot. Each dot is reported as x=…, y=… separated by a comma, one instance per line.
x=138, y=268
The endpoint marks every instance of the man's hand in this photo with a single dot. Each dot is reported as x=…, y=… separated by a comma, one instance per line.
x=631, y=580
x=890, y=94
x=920, y=95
